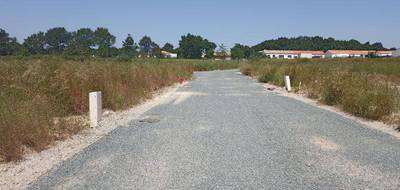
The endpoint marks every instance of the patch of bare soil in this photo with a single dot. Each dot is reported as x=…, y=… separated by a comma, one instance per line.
x=324, y=143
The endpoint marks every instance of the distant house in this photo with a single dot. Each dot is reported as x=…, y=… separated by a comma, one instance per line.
x=357, y=53
x=280, y=54
x=383, y=53
x=311, y=54
x=222, y=56
x=167, y=54
x=347, y=53
x=292, y=54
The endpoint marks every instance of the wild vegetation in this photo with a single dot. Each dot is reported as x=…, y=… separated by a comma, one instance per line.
x=368, y=88
x=40, y=97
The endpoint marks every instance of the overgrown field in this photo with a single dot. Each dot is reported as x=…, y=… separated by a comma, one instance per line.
x=39, y=96
x=368, y=88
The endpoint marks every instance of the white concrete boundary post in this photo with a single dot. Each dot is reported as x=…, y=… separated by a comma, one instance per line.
x=287, y=84
x=95, y=109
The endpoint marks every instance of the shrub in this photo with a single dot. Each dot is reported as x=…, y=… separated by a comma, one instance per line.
x=246, y=69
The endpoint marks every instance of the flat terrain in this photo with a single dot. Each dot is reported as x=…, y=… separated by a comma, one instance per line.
x=224, y=131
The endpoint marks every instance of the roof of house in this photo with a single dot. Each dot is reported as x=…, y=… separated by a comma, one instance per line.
x=166, y=52
x=293, y=52
x=384, y=52
x=278, y=52
x=310, y=52
x=350, y=52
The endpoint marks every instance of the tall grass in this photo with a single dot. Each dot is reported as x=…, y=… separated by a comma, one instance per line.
x=39, y=94
x=368, y=88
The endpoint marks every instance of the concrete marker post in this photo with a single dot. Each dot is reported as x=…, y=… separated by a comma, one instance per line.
x=95, y=108
x=287, y=84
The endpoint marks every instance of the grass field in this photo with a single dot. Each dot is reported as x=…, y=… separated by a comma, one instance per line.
x=368, y=88
x=39, y=95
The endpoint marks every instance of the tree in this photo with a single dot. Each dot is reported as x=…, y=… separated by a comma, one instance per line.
x=209, y=48
x=103, y=40
x=242, y=52
x=168, y=47
x=238, y=51
x=315, y=43
x=57, y=39
x=157, y=50
x=8, y=45
x=35, y=43
x=147, y=46
x=81, y=42
x=195, y=47
x=129, y=48
x=377, y=46
x=222, y=52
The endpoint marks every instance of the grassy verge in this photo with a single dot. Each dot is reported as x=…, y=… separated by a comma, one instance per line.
x=368, y=88
x=39, y=96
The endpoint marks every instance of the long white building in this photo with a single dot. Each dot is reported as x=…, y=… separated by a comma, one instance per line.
x=167, y=54
x=384, y=53
x=356, y=53
x=346, y=53
x=292, y=54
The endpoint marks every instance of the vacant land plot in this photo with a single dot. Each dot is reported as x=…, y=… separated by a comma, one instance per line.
x=43, y=99
x=368, y=88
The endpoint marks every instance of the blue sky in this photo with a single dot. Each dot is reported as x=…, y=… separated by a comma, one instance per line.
x=247, y=22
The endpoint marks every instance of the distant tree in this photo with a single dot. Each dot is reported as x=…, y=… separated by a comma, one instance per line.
x=194, y=47
x=57, y=39
x=222, y=52
x=157, y=51
x=242, y=52
x=315, y=43
x=378, y=46
x=147, y=46
x=114, y=51
x=238, y=51
x=129, y=48
x=8, y=45
x=209, y=48
x=168, y=47
x=35, y=43
x=81, y=42
x=104, y=41
x=393, y=49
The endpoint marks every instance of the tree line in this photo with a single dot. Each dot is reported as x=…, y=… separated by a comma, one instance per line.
x=100, y=42
x=316, y=43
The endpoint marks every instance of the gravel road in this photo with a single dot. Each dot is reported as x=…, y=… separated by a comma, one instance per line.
x=224, y=131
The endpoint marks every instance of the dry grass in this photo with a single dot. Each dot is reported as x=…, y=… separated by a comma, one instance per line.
x=367, y=88
x=39, y=96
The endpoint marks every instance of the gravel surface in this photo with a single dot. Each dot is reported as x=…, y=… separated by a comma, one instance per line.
x=225, y=131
